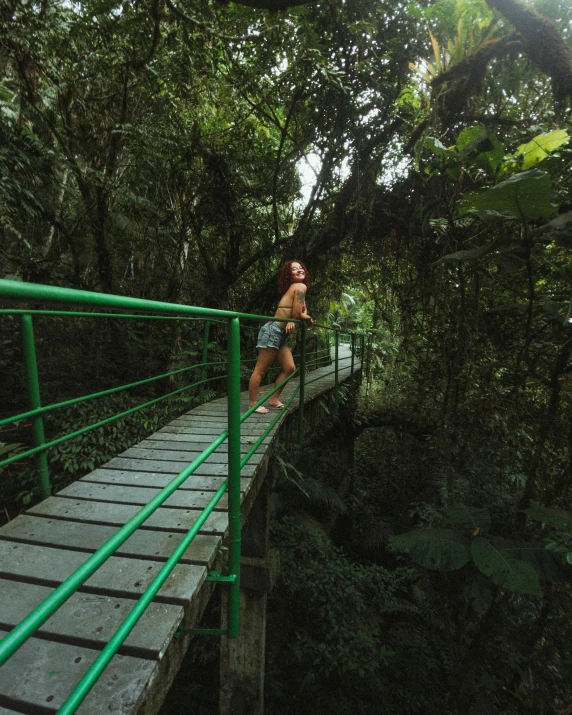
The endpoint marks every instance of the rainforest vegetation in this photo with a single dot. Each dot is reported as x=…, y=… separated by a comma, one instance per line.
x=416, y=156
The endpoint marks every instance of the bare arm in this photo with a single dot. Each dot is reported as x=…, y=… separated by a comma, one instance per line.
x=298, y=306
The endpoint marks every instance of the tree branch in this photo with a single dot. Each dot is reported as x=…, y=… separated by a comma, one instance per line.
x=544, y=43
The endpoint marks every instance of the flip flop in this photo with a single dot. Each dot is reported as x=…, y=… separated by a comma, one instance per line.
x=262, y=410
x=277, y=406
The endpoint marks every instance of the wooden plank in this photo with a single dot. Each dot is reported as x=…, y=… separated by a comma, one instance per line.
x=142, y=451
x=216, y=426
x=219, y=456
x=79, y=536
x=90, y=620
x=204, y=439
x=166, y=519
x=154, y=465
x=121, y=494
x=118, y=576
x=152, y=479
x=182, y=442
x=177, y=441
x=41, y=674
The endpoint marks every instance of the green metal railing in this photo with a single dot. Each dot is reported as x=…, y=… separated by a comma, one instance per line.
x=27, y=294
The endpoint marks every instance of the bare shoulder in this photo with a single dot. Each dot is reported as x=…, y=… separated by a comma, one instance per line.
x=298, y=291
x=297, y=288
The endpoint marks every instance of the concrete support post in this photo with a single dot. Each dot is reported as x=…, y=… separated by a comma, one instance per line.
x=242, y=659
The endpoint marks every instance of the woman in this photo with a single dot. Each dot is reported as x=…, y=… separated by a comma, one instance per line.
x=292, y=285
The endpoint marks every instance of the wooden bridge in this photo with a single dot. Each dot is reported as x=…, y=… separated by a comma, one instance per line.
x=41, y=548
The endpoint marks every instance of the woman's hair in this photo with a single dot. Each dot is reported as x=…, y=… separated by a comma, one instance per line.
x=285, y=279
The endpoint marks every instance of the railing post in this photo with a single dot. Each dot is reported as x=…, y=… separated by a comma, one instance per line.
x=234, y=475
x=369, y=348
x=336, y=393
x=368, y=363
x=34, y=402
x=204, y=359
x=352, y=343
x=362, y=357
x=302, y=384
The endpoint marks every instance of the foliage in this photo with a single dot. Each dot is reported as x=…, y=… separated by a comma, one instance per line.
x=347, y=627
x=154, y=151
x=79, y=455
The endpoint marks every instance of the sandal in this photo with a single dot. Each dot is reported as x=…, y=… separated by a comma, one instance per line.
x=262, y=410
x=277, y=406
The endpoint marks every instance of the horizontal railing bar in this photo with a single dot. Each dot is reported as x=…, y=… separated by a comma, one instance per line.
x=18, y=290
x=95, y=425
x=295, y=355
x=20, y=633
x=87, y=314
x=320, y=377
x=103, y=393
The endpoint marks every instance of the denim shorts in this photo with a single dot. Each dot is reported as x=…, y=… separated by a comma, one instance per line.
x=272, y=335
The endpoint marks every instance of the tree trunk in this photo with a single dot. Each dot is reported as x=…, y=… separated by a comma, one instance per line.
x=544, y=43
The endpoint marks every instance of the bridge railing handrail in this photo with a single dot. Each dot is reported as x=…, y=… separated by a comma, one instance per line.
x=18, y=291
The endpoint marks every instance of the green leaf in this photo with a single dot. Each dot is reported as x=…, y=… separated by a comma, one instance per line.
x=437, y=147
x=434, y=548
x=558, y=518
x=480, y=145
x=537, y=149
x=468, y=136
x=468, y=255
x=504, y=570
x=524, y=196
x=6, y=448
x=508, y=263
x=468, y=516
x=475, y=139
x=547, y=564
x=491, y=159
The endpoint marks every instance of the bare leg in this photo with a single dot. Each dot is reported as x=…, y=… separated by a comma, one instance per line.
x=266, y=357
x=286, y=361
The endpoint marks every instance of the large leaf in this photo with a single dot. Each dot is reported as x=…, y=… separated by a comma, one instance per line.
x=493, y=158
x=504, y=570
x=540, y=147
x=468, y=135
x=524, y=196
x=468, y=516
x=508, y=263
x=558, y=518
x=469, y=255
x=547, y=564
x=480, y=145
x=435, y=548
x=490, y=150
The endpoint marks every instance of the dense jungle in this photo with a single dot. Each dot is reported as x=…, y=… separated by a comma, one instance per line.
x=416, y=156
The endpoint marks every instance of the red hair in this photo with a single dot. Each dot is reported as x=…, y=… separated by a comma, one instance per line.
x=285, y=279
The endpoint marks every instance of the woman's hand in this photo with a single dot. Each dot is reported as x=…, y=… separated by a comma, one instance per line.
x=290, y=327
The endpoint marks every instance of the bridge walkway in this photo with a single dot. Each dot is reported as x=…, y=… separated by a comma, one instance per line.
x=41, y=548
